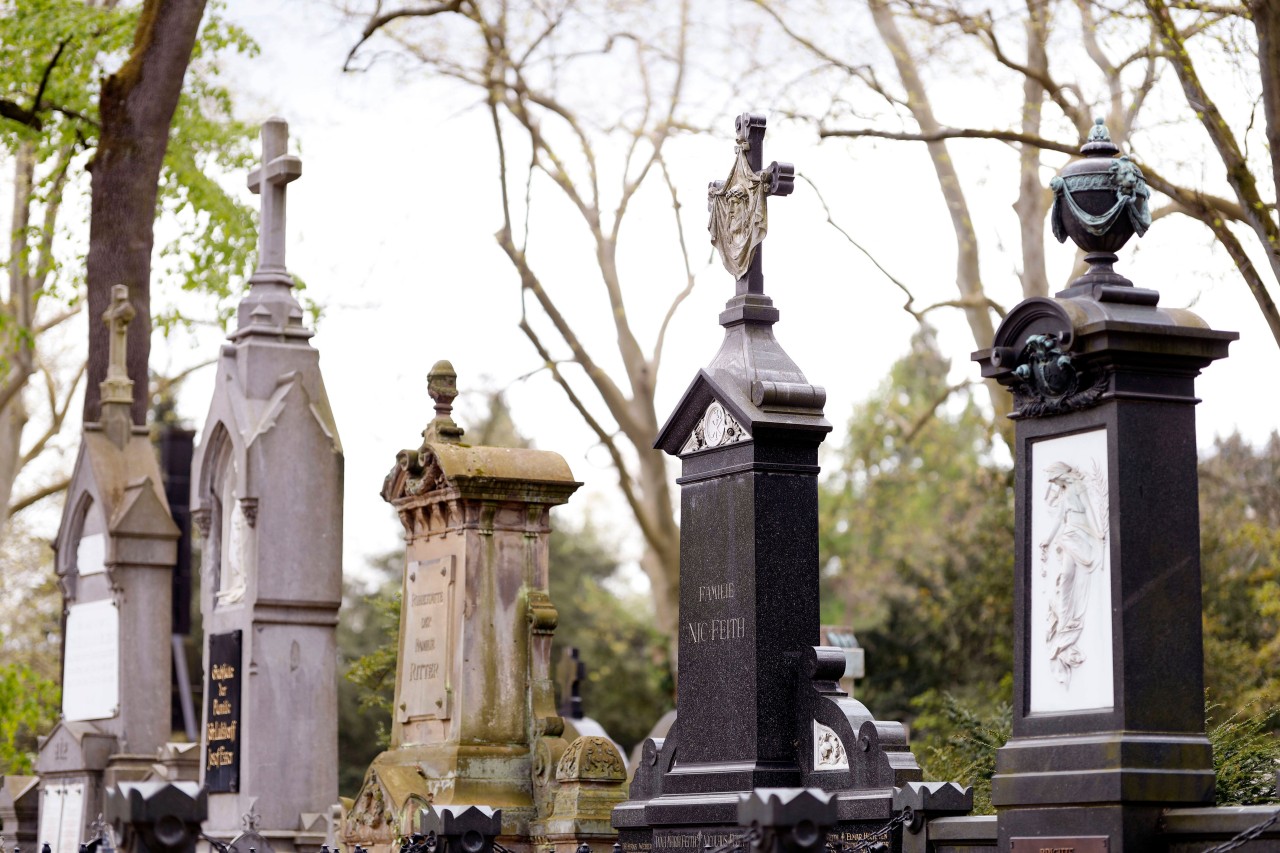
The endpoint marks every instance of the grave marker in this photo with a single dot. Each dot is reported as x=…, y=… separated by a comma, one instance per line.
x=474, y=720
x=1108, y=721
x=267, y=498
x=116, y=549
x=759, y=705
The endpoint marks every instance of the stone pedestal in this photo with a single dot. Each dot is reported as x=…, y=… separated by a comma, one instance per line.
x=116, y=549
x=1108, y=719
x=474, y=719
x=267, y=499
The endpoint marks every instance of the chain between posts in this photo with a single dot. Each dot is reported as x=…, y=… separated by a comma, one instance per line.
x=875, y=842
x=1247, y=835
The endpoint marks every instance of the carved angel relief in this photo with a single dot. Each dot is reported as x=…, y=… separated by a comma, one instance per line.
x=715, y=428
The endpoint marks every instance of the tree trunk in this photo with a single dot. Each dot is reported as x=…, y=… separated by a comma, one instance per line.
x=136, y=109
x=1266, y=21
x=968, y=275
x=18, y=346
x=1032, y=205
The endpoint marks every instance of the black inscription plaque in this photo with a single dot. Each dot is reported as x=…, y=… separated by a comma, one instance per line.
x=1078, y=844
x=222, y=722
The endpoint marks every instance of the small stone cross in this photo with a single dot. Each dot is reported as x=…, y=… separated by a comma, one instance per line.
x=278, y=169
x=118, y=387
x=739, y=214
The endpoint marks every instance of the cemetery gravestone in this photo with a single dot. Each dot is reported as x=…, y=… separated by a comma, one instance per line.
x=267, y=499
x=1108, y=723
x=474, y=716
x=759, y=705
x=116, y=548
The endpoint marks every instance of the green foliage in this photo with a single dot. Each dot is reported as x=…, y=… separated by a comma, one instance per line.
x=916, y=540
x=1246, y=754
x=205, y=237
x=368, y=634
x=1240, y=556
x=29, y=706
x=958, y=742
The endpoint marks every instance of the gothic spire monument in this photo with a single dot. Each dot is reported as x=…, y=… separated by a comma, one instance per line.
x=758, y=705
x=267, y=500
x=116, y=549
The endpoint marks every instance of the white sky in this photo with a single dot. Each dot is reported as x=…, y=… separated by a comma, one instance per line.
x=392, y=227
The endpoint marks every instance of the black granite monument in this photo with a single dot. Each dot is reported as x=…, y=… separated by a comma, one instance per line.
x=759, y=704
x=1108, y=724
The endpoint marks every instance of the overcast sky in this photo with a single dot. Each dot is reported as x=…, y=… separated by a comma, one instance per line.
x=392, y=226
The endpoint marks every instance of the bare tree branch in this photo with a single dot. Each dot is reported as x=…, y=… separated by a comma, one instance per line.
x=35, y=497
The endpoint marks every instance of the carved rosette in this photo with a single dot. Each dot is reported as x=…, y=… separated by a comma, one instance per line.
x=828, y=751
x=1047, y=381
x=715, y=428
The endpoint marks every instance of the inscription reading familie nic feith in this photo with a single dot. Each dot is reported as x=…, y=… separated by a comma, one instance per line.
x=714, y=630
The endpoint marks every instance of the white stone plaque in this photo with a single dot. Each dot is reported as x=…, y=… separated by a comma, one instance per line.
x=1071, y=665
x=91, y=669
x=91, y=554
x=427, y=647
x=62, y=817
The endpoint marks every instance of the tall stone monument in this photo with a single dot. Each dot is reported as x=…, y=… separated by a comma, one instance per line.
x=759, y=705
x=1108, y=719
x=116, y=549
x=474, y=718
x=267, y=499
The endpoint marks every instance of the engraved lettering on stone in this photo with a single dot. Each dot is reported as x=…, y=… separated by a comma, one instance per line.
x=91, y=669
x=715, y=428
x=828, y=751
x=713, y=630
x=424, y=652
x=1070, y=584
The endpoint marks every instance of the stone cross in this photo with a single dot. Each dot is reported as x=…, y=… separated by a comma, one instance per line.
x=269, y=180
x=118, y=387
x=739, y=214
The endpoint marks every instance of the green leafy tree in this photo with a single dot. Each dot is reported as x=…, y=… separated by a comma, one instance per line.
x=163, y=121
x=916, y=536
x=28, y=706
x=1240, y=548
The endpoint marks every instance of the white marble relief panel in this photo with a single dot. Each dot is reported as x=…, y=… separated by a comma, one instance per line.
x=1071, y=667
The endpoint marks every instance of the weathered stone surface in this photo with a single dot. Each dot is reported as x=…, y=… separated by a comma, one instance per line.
x=267, y=497
x=115, y=551
x=474, y=718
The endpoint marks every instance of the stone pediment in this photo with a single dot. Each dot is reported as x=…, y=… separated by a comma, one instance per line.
x=125, y=484
x=472, y=471
x=744, y=408
x=73, y=747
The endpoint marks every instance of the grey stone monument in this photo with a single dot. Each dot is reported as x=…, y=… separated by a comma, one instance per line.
x=116, y=548
x=759, y=703
x=267, y=499
x=1108, y=721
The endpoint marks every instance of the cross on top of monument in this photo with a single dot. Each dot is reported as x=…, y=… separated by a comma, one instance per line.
x=118, y=387
x=268, y=180
x=739, y=213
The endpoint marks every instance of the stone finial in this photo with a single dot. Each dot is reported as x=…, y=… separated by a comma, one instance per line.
x=442, y=385
x=117, y=388
x=157, y=817
x=269, y=180
x=791, y=820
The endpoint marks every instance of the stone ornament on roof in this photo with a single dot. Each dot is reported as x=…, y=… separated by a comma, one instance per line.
x=739, y=212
